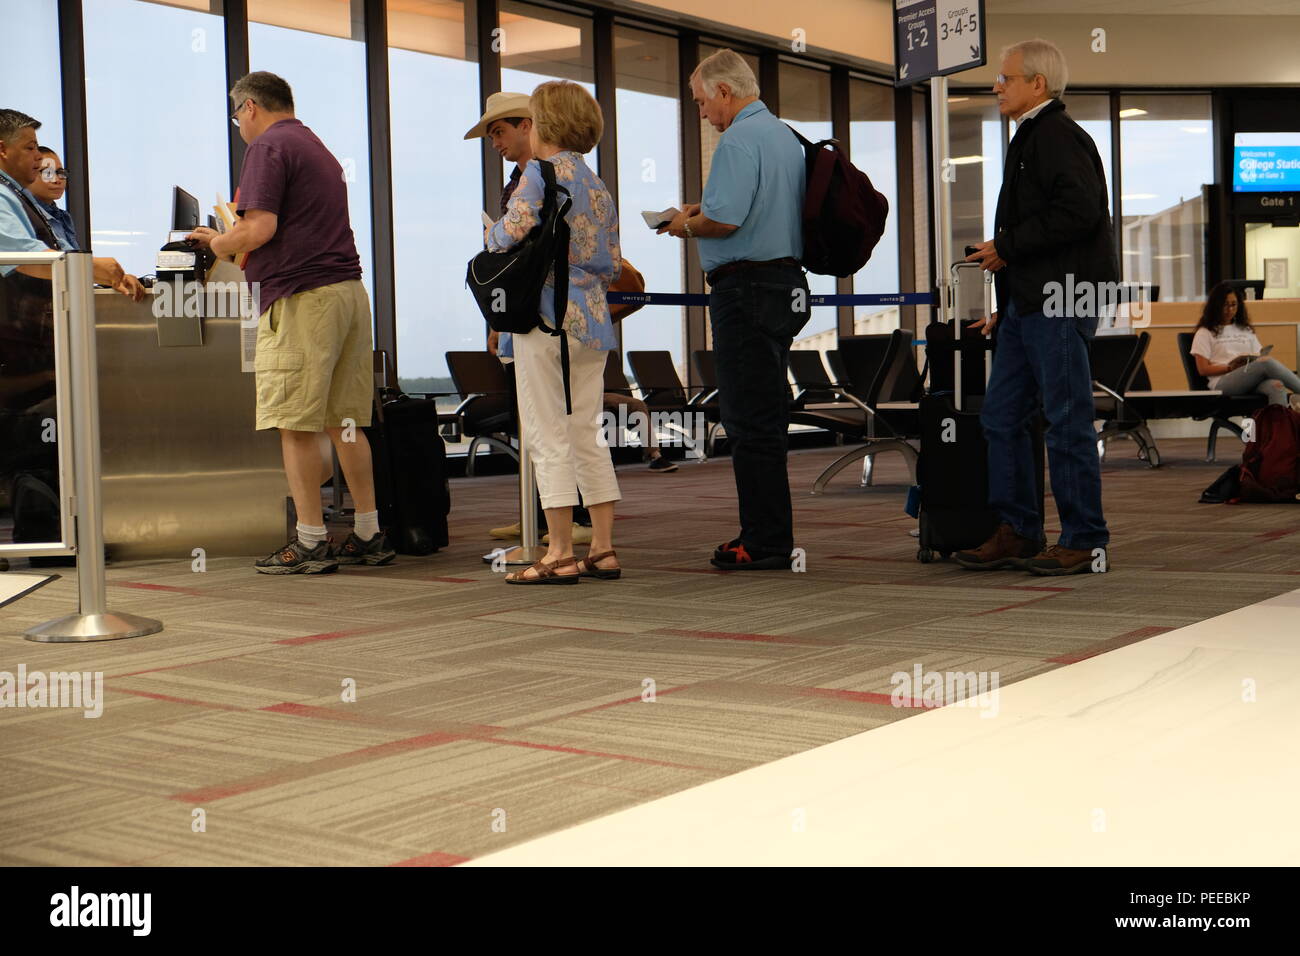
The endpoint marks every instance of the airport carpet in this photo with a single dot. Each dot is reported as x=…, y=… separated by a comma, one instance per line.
x=426, y=713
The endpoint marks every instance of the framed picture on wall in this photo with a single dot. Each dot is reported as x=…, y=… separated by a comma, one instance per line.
x=1275, y=274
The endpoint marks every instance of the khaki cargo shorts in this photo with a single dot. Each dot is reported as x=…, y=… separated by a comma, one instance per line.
x=314, y=362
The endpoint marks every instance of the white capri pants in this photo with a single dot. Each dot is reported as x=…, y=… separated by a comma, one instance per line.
x=567, y=454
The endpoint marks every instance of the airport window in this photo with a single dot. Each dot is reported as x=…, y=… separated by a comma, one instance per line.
x=648, y=100
x=1167, y=154
x=540, y=44
x=37, y=60
x=872, y=150
x=437, y=185
x=295, y=41
x=806, y=105
x=176, y=134
x=975, y=146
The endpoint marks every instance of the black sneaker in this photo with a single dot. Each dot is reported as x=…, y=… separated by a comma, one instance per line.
x=293, y=558
x=662, y=465
x=374, y=551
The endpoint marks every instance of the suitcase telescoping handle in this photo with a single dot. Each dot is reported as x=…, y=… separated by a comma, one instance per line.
x=977, y=286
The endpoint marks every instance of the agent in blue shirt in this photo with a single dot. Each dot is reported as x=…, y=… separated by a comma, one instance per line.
x=47, y=190
x=749, y=228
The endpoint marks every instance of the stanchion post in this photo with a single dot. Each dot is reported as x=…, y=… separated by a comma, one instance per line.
x=93, y=622
x=528, y=551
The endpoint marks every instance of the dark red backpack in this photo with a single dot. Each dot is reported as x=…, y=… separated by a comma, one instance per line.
x=1270, y=465
x=843, y=214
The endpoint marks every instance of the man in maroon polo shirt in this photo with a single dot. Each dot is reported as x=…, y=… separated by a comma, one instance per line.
x=314, y=345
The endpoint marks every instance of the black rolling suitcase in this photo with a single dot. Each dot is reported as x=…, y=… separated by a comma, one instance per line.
x=952, y=469
x=410, y=462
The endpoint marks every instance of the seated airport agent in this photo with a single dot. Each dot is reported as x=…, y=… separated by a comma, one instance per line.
x=568, y=455
x=314, y=349
x=750, y=240
x=47, y=190
x=23, y=227
x=1227, y=352
x=1052, y=226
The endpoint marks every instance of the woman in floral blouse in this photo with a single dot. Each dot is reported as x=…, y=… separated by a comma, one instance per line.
x=567, y=453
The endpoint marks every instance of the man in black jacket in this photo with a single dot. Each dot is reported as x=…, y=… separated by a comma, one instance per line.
x=1053, y=254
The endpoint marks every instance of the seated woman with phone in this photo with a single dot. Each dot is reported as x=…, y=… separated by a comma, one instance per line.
x=1228, y=353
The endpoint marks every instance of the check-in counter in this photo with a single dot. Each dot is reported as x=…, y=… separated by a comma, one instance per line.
x=183, y=467
x=1276, y=322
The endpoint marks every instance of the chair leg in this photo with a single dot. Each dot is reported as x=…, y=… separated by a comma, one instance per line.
x=870, y=449
x=469, y=460
x=868, y=469
x=1148, y=443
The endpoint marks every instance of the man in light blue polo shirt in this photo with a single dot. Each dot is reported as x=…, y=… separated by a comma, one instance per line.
x=749, y=228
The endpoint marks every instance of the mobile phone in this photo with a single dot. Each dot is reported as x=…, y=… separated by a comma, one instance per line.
x=971, y=250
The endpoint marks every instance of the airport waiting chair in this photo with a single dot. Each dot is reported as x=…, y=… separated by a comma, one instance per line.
x=875, y=407
x=812, y=384
x=486, y=412
x=662, y=390
x=1225, y=408
x=706, y=373
x=1116, y=361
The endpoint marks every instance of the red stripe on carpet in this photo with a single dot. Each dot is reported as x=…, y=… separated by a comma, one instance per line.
x=178, y=700
x=1028, y=587
x=172, y=667
x=1012, y=607
x=161, y=587
x=556, y=748
x=734, y=636
x=450, y=581
x=1111, y=644
x=1274, y=535
x=859, y=557
x=292, y=709
x=327, y=636
x=433, y=859
x=324, y=765
x=858, y=696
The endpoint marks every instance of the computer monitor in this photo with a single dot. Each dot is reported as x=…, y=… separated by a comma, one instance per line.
x=185, y=210
x=1247, y=289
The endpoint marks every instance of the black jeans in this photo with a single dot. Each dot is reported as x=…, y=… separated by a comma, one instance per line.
x=755, y=314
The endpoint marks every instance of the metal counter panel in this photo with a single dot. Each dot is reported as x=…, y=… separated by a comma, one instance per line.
x=183, y=467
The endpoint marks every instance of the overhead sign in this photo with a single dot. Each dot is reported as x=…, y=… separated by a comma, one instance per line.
x=936, y=37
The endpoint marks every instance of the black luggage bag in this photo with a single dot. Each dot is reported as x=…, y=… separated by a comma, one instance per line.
x=952, y=469
x=410, y=463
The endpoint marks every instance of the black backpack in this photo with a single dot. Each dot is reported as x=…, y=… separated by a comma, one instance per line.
x=508, y=285
x=843, y=214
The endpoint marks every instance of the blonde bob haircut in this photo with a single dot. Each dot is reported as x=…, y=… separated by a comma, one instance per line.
x=566, y=116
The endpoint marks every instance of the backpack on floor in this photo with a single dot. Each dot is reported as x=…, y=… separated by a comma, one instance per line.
x=1270, y=465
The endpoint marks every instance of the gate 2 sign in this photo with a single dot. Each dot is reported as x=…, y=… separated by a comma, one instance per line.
x=937, y=37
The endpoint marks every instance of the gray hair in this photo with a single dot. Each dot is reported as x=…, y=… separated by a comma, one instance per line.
x=13, y=122
x=1042, y=58
x=726, y=66
x=266, y=90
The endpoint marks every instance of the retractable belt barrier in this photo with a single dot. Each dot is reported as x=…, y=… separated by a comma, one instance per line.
x=698, y=298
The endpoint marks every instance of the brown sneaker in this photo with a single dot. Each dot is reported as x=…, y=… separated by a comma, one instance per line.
x=1005, y=549
x=1058, y=560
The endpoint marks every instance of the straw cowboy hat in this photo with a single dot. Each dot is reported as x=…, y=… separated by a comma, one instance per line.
x=501, y=106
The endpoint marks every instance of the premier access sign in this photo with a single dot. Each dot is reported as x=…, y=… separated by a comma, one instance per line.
x=937, y=37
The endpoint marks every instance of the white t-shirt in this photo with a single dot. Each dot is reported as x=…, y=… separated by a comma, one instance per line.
x=1221, y=349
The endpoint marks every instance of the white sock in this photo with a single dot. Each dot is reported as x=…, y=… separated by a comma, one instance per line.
x=309, y=537
x=367, y=524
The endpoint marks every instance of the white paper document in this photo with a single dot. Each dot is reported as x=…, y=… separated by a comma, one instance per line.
x=655, y=220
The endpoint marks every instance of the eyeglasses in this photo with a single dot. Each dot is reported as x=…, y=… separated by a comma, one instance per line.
x=49, y=174
x=1001, y=78
x=234, y=117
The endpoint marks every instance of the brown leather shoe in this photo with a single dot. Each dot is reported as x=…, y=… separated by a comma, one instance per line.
x=1004, y=549
x=1058, y=560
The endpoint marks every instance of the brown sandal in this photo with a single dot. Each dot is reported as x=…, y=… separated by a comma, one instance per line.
x=592, y=571
x=546, y=574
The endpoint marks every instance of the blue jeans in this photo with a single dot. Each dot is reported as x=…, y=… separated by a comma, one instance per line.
x=1044, y=358
x=754, y=319
x=1267, y=376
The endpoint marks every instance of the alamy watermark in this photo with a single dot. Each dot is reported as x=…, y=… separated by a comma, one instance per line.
x=213, y=300
x=76, y=689
x=1101, y=300
x=977, y=689
x=669, y=428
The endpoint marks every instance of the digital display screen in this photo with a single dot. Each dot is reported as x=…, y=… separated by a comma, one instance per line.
x=1266, y=162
